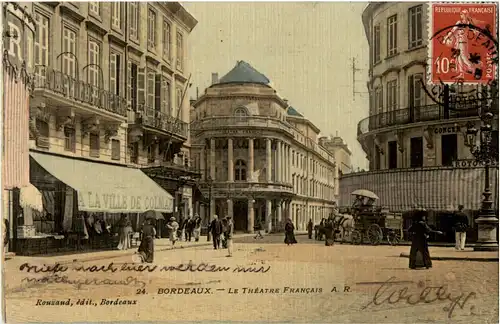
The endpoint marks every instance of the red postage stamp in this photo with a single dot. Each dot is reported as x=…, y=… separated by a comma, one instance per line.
x=463, y=45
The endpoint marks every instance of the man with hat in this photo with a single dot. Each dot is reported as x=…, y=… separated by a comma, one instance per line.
x=216, y=229
x=228, y=234
x=173, y=227
x=461, y=225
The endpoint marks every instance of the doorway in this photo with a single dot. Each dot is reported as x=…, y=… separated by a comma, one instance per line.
x=240, y=211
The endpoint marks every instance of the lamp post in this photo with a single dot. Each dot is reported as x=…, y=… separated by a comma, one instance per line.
x=209, y=183
x=485, y=153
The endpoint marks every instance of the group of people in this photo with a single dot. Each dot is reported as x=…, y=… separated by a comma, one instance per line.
x=222, y=229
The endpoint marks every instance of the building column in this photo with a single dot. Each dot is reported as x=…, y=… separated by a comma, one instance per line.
x=250, y=174
x=289, y=164
x=278, y=161
x=269, y=166
x=251, y=215
x=230, y=162
x=203, y=164
x=230, y=208
x=279, y=216
x=212, y=158
x=269, y=223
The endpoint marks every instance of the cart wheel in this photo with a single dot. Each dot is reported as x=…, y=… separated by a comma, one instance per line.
x=393, y=238
x=374, y=234
x=356, y=237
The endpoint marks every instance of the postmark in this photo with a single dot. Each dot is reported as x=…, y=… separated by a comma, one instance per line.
x=463, y=47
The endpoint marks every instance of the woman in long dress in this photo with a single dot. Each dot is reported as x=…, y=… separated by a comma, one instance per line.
x=289, y=235
x=419, y=251
x=197, y=228
x=146, y=249
x=173, y=227
x=125, y=231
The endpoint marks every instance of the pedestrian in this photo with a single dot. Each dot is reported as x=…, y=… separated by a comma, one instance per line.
x=461, y=225
x=310, y=228
x=228, y=234
x=197, y=228
x=182, y=229
x=188, y=229
x=125, y=229
x=260, y=227
x=146, y=249
x=419, y=251
x=173, y=227
x=329, y=230
x=289, y=235
x=215, y=229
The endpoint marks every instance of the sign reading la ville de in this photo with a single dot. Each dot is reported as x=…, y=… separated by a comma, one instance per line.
x=94, y=201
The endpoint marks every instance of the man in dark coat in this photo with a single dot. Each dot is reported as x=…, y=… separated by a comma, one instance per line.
x=216, y=229
x=310, y=228
x=461, y=225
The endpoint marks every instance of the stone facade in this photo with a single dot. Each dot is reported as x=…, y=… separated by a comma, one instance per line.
x=260, y=164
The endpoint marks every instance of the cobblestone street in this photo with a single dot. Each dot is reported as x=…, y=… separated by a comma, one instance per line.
x=354, y=273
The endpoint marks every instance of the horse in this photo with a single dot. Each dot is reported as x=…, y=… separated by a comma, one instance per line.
x=345, y=224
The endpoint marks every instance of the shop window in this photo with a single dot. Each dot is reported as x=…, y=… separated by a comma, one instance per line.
x=392, y=154
x=115, y=149
x=94, y=145
x=449, y=149
x=240, y=171
x=416, y=152
x=69, y=139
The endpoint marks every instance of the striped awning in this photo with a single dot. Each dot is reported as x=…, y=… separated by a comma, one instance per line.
x=15, y=153
x=432, y=188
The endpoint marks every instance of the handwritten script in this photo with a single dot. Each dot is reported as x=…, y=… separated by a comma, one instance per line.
x=59, y=273
x=389, y=294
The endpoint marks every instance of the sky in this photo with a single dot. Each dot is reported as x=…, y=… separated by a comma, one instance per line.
x=304, y=48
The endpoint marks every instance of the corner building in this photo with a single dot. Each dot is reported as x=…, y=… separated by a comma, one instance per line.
x=415, y=147
x=260, y=159
x=107, y=105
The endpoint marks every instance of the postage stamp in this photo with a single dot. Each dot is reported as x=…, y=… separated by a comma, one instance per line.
x=463, y=45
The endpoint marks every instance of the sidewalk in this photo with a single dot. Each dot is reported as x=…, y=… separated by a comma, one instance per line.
x=162, y=244
x=447, y=254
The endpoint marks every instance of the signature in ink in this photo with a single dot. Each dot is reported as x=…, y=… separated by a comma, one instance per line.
x=78, y=283
x=388, y=295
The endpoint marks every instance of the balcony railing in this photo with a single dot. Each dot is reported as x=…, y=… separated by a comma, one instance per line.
x=80, y=91
x=218, y=122
x=157, y=119
x=411, y=115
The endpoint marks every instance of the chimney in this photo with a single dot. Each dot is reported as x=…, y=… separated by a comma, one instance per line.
x=215, y=78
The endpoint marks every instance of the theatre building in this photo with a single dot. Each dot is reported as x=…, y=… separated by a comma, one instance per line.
x=261, y=160
x=107, y=98
x=415, y=147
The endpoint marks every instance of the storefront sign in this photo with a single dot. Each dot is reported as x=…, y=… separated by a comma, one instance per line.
x=447, y=130
x=471, y=163
x=117, y=202
x=18, y=40
x=187, y=192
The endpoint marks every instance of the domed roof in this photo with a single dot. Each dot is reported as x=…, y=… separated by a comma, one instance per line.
x=293, y=112
x=244, y=73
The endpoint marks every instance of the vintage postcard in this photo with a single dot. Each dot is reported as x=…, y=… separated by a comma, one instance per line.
x=228, y=162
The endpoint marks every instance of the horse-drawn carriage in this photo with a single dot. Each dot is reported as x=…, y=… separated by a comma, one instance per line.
x=373, y=223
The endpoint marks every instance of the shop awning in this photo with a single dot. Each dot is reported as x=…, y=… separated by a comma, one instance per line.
x=107, y=188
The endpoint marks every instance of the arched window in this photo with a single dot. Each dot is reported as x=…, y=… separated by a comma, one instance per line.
x=240, y=171
x=240, y=112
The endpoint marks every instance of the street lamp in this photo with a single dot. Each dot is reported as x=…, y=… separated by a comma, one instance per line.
x=484, y=153
x=209, y=183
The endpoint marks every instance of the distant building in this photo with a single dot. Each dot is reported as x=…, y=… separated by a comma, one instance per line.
x=261, y=160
